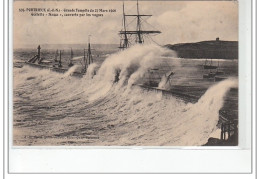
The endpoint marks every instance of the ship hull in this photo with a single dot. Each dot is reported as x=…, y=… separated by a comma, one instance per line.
x=210, y=67
x=219, y=78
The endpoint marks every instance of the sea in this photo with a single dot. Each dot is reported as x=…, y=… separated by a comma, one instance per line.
x=56, y=109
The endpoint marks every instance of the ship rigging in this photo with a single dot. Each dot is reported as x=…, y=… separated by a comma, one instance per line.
x=139, y=33
x=87, y=61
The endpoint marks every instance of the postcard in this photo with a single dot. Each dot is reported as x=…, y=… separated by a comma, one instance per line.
x=125, y=73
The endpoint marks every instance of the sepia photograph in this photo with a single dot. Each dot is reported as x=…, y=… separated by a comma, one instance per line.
x=125, y=73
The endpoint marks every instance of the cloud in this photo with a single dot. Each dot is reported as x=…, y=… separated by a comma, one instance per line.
x=199, y=21
x=179, y=21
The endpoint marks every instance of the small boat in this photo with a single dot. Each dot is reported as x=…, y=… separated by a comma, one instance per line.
x=208, y=65
x=37, y=58
x=219, y=73
x=209, y=75
x=57, y=65
x=39, y=62
x=219, y=78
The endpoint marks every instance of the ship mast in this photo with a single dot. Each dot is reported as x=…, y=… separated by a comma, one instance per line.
x=87, y=61
x=56, y=55
x=89, y=55
x=138, y=29
x=71, y=57
x=125, y=45
x=124, y=34
x=138, y=32
x=84, y=62
x=59, y=65
x=71, y=54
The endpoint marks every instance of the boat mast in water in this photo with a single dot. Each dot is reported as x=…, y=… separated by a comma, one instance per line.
x=71, y=57
x=84, y=62
x=59, y=65
x=87, y=61
x=125, y=38
x=36, y=57
x=56, y=56
x=138, y=33
x=89, y=55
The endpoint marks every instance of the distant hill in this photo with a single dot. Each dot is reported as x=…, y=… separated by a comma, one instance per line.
x=215, y=49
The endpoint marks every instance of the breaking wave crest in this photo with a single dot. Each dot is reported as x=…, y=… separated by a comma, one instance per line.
x=132, y=63
x=98, y=111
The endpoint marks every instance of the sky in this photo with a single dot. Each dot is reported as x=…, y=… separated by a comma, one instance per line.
x=179, y=22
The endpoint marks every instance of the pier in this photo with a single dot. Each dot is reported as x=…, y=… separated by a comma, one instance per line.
x=185, y=97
